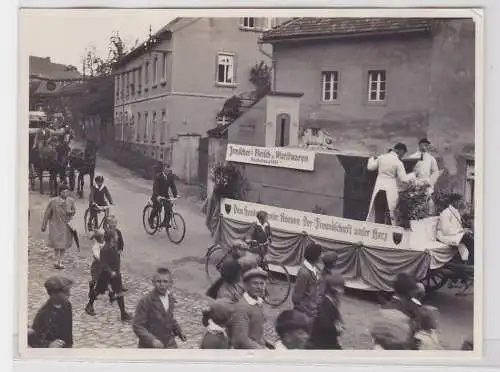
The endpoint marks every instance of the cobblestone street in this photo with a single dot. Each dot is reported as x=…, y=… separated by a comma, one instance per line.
x=142, y=253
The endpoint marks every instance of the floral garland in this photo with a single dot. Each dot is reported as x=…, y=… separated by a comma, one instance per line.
x=229, y=181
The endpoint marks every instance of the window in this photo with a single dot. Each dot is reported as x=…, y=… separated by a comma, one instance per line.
x=271, y=22
x=282, y=130
x=155, y=70
x=132, y=129
x=376, y=86
x=153, y=128
x=163, y=126
x=122, y=80
x=164, y=68
x=131, y=80
x=248, y=22
x=225, y=69
x=146, y=75
x=139, y=80
x=137, y=129
x=146, y=123
x=126, y=84
x=329, y=86
x=222, y=121
x=117, y=86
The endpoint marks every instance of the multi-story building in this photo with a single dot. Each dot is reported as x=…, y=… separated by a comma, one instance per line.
x=368, y=83
x=169, y=94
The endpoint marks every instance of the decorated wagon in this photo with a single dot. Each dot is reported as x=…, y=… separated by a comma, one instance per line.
x=370, y=255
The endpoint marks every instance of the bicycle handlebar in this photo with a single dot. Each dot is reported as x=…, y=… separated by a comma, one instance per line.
x=169, y=199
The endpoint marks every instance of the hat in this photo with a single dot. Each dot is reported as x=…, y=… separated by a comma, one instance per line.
x=256, y=271
x=63, y=187
x=330, y=258
x=391, y=329
x=334, y=280
x=405, y=284
x=400, y=146
x=290, y=320
x=220, y=310
x=230, y=271
x=424, y=140
x=57, y=284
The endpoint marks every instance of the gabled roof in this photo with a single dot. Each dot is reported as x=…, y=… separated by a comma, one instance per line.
x=298, y=28
x=43, y=68
x=163, y=33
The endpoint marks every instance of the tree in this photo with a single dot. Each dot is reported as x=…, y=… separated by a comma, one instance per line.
x=260, y=77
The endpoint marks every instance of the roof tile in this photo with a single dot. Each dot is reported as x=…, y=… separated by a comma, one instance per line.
x=308, y=27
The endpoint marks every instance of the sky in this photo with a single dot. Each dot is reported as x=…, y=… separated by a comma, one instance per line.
x=64, y=35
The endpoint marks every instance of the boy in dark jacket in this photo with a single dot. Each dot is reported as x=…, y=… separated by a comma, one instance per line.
x=154, y=321
x=305, y=292
x=110, y=275
x=99, y=197
x=53, y=323
x=328, y=325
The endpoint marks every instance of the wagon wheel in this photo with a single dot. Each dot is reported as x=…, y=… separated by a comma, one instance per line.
x=434, y=280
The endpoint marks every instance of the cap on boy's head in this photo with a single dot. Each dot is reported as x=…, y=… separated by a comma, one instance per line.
x=330, y=259
x=99, y=179
x=404, y=284
x=220, y=311
x=63, y=187
x=255, y=272
x=291, y=320
x=424, y=141
x=313, y=252
x=56, y=284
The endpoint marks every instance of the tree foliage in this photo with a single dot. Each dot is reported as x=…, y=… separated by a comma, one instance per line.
x=260, y=77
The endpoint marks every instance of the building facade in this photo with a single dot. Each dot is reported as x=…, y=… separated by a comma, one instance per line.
x=167, y=96
x=368, y=83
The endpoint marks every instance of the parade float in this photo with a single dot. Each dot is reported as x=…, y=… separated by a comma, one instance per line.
x=317, y=194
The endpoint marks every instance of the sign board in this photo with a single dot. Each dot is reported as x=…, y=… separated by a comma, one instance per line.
x=321, y=226
x=281, y=157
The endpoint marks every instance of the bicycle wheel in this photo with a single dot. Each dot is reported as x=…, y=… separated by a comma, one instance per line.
x=177, y=229
x=278, y=286
x=213, y=261
x=146, y=212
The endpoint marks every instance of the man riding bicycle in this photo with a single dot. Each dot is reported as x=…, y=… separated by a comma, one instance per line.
x=164, y=181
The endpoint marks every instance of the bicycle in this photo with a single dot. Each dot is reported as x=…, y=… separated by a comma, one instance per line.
x=177, y=229
x=104, y=221
x=276, y=292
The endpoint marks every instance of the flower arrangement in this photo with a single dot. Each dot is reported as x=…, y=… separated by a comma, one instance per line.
x=413, y=204
x=229, y=181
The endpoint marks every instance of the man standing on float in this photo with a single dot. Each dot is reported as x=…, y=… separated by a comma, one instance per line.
x=391, y=178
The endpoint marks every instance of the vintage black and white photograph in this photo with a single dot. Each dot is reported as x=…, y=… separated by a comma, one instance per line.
x=250, y=181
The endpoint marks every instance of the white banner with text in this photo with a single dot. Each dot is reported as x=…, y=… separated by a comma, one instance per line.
x=281, y=157
x=321, y=226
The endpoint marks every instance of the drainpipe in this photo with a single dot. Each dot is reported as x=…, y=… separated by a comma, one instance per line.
x=273, y=65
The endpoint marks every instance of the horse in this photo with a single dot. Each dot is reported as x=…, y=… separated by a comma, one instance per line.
x=83, y=162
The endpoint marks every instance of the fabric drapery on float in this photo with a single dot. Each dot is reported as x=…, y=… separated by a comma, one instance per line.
x=375, y=267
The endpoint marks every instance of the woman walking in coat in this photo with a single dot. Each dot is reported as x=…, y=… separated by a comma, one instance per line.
x=57, y=216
